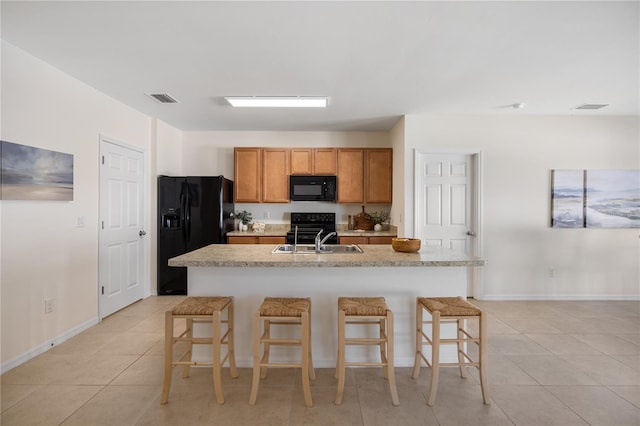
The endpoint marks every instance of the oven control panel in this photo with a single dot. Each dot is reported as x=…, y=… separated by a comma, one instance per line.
x=313, y=219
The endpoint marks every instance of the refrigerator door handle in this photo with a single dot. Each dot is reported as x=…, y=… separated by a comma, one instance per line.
x=221, y=207
x=187, y=215
x=183, y=206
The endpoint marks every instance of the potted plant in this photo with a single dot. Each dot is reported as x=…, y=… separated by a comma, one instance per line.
x=378, y=218
x=245, y=219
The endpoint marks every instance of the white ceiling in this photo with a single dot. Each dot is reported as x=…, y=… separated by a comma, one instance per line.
x=376, y=61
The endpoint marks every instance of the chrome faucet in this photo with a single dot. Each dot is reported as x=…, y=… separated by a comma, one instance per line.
x=320, y=243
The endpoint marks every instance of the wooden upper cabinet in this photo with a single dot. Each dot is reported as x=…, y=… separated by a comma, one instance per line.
x=350, y=175
x=324, y=161
x=378, y=175
x=247, y=175
x=301, y=161
x=261, y=175
x=275, y=175
x=313, y=161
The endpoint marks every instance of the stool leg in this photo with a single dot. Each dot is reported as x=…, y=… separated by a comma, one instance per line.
x=231, y=352
x=168, y=356
x=266, y=346
x=483, y=358
x=383, y=346
x=461, y=358
x=416, y=363
x=189, y=336
x=305, y=359
x=340, y=368
x=256, y=359
x=435, y=357
x=390, y=361
x=215, y=346
x=312, y=371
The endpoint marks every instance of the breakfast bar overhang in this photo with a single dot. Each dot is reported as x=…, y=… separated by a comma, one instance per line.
x=252, y=272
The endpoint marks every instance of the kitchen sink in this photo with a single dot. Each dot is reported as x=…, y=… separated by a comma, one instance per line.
x=310, y=249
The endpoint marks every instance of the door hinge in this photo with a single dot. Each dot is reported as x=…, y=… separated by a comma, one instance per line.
x=102, y=224
x=103, y=159
x=102, y=289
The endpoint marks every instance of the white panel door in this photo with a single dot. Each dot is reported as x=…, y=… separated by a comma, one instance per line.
x=444, y=202
x=121, y=256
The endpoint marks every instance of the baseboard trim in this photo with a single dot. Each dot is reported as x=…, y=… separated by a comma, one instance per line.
x=561, y=297
x=44, y=347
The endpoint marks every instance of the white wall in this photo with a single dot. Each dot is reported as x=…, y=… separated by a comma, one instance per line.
x=43, y=253
x=169, y=150
x=211, y=153
x=519, y=245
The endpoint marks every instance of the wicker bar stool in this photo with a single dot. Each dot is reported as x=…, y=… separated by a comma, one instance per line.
x=282, y=311
x=450, y=310
x=197, y=310
x=366, y=311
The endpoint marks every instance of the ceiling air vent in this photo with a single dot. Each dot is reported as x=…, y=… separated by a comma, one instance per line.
x=163, y=98
x=591, y=106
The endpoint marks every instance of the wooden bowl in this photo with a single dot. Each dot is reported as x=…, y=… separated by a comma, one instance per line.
x=406, y=245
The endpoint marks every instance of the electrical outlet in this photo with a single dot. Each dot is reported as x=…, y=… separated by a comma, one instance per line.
x=48, y=306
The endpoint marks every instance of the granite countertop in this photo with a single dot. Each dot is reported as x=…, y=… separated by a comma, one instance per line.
x=259, y=255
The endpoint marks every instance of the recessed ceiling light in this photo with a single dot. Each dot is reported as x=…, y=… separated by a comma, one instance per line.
x=278, y=101
x=591, y=106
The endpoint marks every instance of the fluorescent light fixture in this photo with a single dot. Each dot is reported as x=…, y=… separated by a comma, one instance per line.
x=278, y=101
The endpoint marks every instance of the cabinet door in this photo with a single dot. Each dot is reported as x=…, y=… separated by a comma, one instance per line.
x=275, y=175
x=378, y=175
x=301, y=161
x=272, y=240
x=247, y=175
x=354, y=240
x=380, y=240
x=324, y=161
x=350, y=175
x=242, y=240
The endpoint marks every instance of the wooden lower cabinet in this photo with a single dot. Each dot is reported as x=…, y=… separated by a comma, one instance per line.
x=380, y=240
x=353, y=240
x=365, y=240
x=254, y=239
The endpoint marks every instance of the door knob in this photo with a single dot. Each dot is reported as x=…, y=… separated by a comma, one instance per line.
x=142, y=233
x=471, y=233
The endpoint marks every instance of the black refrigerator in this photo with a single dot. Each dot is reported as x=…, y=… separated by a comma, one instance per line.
x=193, y=212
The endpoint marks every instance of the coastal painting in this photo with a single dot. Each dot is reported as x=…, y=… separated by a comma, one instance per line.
x=567, y=198
x=613, y=198
x=595, y=198
x=29, y=173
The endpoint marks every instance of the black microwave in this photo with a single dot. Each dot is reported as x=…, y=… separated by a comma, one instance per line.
x=312, y=188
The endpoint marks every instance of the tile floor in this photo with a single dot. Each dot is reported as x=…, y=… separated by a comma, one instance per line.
x=551, y=363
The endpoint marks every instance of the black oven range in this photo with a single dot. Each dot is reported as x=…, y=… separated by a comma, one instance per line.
x=309, y=224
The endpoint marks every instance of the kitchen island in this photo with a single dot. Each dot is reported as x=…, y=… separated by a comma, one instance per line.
x=252, y=272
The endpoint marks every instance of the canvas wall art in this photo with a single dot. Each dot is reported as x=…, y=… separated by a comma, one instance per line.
x=29, y=173
x=613, y=198
x=567, y=198
x=595, y=198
